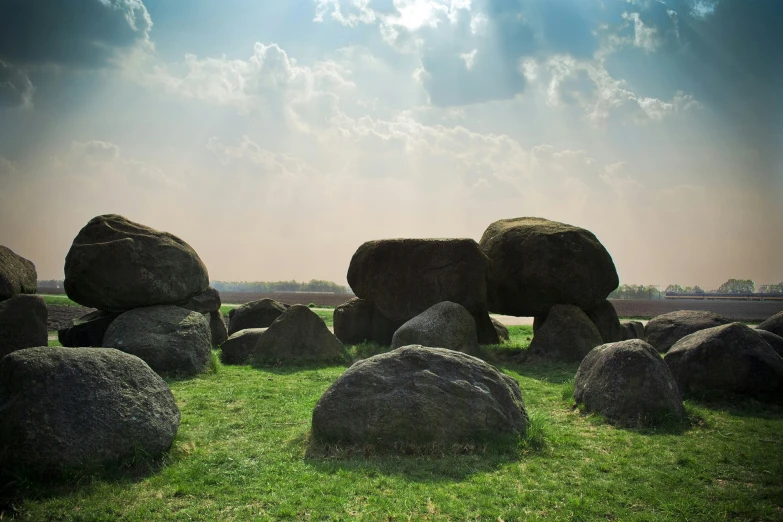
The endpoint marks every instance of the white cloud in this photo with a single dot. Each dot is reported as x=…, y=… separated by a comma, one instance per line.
x=645, y=37
x=469, y=58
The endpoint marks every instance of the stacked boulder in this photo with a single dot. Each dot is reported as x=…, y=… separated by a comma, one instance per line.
x=151, y=290
x=22, y=316
x=397, y=279
x=559, y=274
x=665, y=330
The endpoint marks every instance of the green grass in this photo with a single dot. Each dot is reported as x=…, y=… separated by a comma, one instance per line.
x=58, y=300
x=241, y=454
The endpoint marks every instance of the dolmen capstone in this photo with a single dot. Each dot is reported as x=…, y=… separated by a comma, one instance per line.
x=64, y=409
x=444, y=325
x=731, y=359
x=22, y=316
x=403, y=277
x=415, y=396
x=256, y=314
x=239, y=346
x=663, y=331
x=297, y=336
x=774, y=324
x=628, y=383
x=566, y=334
x=171, y=340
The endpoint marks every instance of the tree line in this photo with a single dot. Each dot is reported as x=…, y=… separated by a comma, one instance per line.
x=732, y=286
x=314, y=285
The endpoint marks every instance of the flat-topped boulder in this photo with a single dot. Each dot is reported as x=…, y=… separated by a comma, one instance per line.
x=663, y=331
x=404, y=277
x=536, y=264
x=17, y=274
x=774, y=324
x=731, y=358
x=444, y=325
x=116, y=265
x=566, y=334
x=415, y=396
x=255, y=314
x=297, y=336
x=171, y=340
x=79, y=408
x=628, y=383
x=22, y=323
x=240, y=346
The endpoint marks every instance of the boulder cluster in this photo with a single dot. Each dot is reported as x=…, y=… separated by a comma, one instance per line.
x=22, y=316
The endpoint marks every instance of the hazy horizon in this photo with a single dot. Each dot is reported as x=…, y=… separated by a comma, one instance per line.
x=276, y=138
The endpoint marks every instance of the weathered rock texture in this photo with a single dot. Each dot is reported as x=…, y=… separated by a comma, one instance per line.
x=256, y=314
x=76, y=408
x=17, y=274
x=774, y=324
x=536, y=264
x=298, y=335
x=444, y=325
x=663, y=331
x=358, y=320
x=415, y=396
x=172, y=340
x=404, y=277
x=217, y=328
x=501, y=330
x=628, y=383
x=567, y=334
x=731, y=358
x=115, y=265
x=775, y=341
x=604, y=316
x=22, y=323
x=87, y=330
x=633, y=330
x=238, y=348
x=205, y=302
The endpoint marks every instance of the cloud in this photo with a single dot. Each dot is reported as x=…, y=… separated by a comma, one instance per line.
x=644, y=37
x=16, y=89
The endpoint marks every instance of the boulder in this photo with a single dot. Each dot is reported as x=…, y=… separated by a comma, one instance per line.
x=217, y=328
x=732, y=358
x=404, y=277
x=115, y=265
x=775, y=341
x=238, y=348
x=663, y=331
x=419, y=396
x=567, y=335
x=627, y=382
x=358, y=320
x=256, y=314
x=172, y=340
x=22, y=323
x=604, y=316
x=501, y=330
x=774, y=324
x=536, y=264
x=17, y=274
x=205, y=302
x=633, y=330
x=298, y=335
x=87, y=330
x=444, y=325
x=78, y=408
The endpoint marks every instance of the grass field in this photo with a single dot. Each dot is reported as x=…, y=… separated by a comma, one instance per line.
x=243, y=453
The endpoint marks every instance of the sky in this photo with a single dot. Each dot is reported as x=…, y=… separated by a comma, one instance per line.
x=277, y=137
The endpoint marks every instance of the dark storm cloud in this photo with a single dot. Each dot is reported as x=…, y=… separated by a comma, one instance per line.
x=84, y=33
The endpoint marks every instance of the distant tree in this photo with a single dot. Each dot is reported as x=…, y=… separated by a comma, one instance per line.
x=737, y=286
x=674, y=288
x=771, y=289
x=314, y=285
x=635, y=292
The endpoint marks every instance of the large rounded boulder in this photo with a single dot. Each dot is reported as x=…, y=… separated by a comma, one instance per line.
x=731, y=358
x=444, y=325
x=255, y=314
x=358, y=320
x=172, y=340
x=566, y=335
x=627, y=382
x=297, y=336
x=663, y=331
x=238, y=348
x=22, y=323
x=115, y=265
x=404, y=277
x=17, y=274
x=774, y=324
x=419, y=396
x=77, y=408
x=536, y=264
